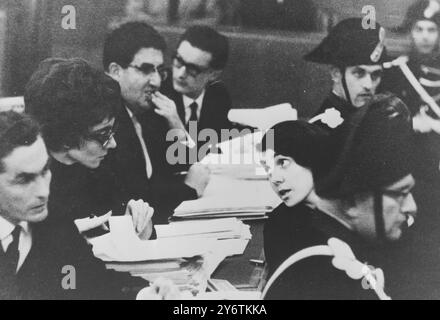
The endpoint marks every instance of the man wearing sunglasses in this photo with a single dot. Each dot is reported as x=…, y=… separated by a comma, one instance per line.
x=134, y=56
x=198, y=62
x=75, y=105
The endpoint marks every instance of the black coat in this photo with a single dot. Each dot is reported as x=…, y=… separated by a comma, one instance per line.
x=316, y=277
x=333, y=101
x=215, y=107
x=75, y=192
x=164, y=190
x=395, y=81
x=280, y=230
x=57, y=249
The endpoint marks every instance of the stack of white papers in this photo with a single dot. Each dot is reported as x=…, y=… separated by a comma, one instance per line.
x=122, y=244
x=239, y=158
x=220, y=229
x=187, y=262
x=178, y=254
x=232, y=235
x=229, y=197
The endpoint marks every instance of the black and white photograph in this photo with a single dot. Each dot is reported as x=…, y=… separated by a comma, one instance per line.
x=219, y=150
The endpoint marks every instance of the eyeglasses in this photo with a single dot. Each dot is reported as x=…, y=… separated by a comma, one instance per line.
x=148, y=69
x=191, y=69
x=105, y=136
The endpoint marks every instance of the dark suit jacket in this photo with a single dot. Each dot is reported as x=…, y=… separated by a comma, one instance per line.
x=315, y=278
x=76, y=192
x=215, y=107
x=58, y=246
x=165, y=190
x=280, y=231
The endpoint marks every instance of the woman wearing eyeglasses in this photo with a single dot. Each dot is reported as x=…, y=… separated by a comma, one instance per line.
x=76, y=104
x=297, y=148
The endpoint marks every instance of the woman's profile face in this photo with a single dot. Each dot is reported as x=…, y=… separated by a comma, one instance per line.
x=95, y=146
x=290, y=181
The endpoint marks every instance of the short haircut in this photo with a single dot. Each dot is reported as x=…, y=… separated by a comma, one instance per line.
x=68, y=97
x=304, y=142
x=123, y=43
x=209, y=40
x=16, y=130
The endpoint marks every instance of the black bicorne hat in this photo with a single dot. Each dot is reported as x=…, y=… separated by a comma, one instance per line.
x=372, y=149
x=351, y=42
x=419, y=11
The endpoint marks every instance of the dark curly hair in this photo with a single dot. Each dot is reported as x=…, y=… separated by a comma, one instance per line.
x=68, y=97
x=122, y=44
x=16, y=130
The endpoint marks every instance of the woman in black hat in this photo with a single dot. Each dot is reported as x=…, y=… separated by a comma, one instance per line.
x=297, y=149
x=364, y=201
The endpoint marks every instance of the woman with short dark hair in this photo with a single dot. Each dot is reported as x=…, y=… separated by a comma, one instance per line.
x=297, y=149
x=76, y=105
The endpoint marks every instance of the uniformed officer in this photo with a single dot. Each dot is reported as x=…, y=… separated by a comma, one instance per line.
x=422, y=24
x=365, y=204
x=356, y=53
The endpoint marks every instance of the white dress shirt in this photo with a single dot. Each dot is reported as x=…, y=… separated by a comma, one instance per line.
x=187, y=101
x=138, y=129
x=25, y=240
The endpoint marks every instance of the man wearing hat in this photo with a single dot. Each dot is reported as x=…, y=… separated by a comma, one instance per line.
x=365, y=205
x=356, y=55
x=422, y=24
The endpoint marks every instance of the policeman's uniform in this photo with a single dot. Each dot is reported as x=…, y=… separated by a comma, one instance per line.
x=350, y=43
x=373, y=154
x=426, y=68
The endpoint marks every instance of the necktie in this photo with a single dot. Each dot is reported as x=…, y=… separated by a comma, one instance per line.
x=8, y=266
x=139, y=133
x=12, y=254
x=193, y=116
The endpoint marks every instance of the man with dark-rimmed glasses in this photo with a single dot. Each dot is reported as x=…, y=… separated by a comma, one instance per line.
x=134, y=56
x=198, y=62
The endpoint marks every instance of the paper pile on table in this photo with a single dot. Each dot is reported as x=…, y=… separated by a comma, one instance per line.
x=232, y=235
x=180, y=254
x=187, y=262
x=239, y=157
x=229, y=197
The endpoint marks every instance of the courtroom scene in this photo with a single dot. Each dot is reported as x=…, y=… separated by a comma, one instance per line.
x=233, y=150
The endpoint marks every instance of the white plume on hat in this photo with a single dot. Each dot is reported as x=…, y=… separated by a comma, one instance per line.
x=432, y=9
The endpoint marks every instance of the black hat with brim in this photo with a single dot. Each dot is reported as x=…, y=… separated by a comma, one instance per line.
x=420, y=11
x=372, y=149
x=351, y=43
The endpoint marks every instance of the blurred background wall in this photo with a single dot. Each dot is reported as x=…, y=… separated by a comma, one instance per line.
x=268, y=39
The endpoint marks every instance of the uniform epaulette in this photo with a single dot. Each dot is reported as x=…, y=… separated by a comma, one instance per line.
x=344, y=260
